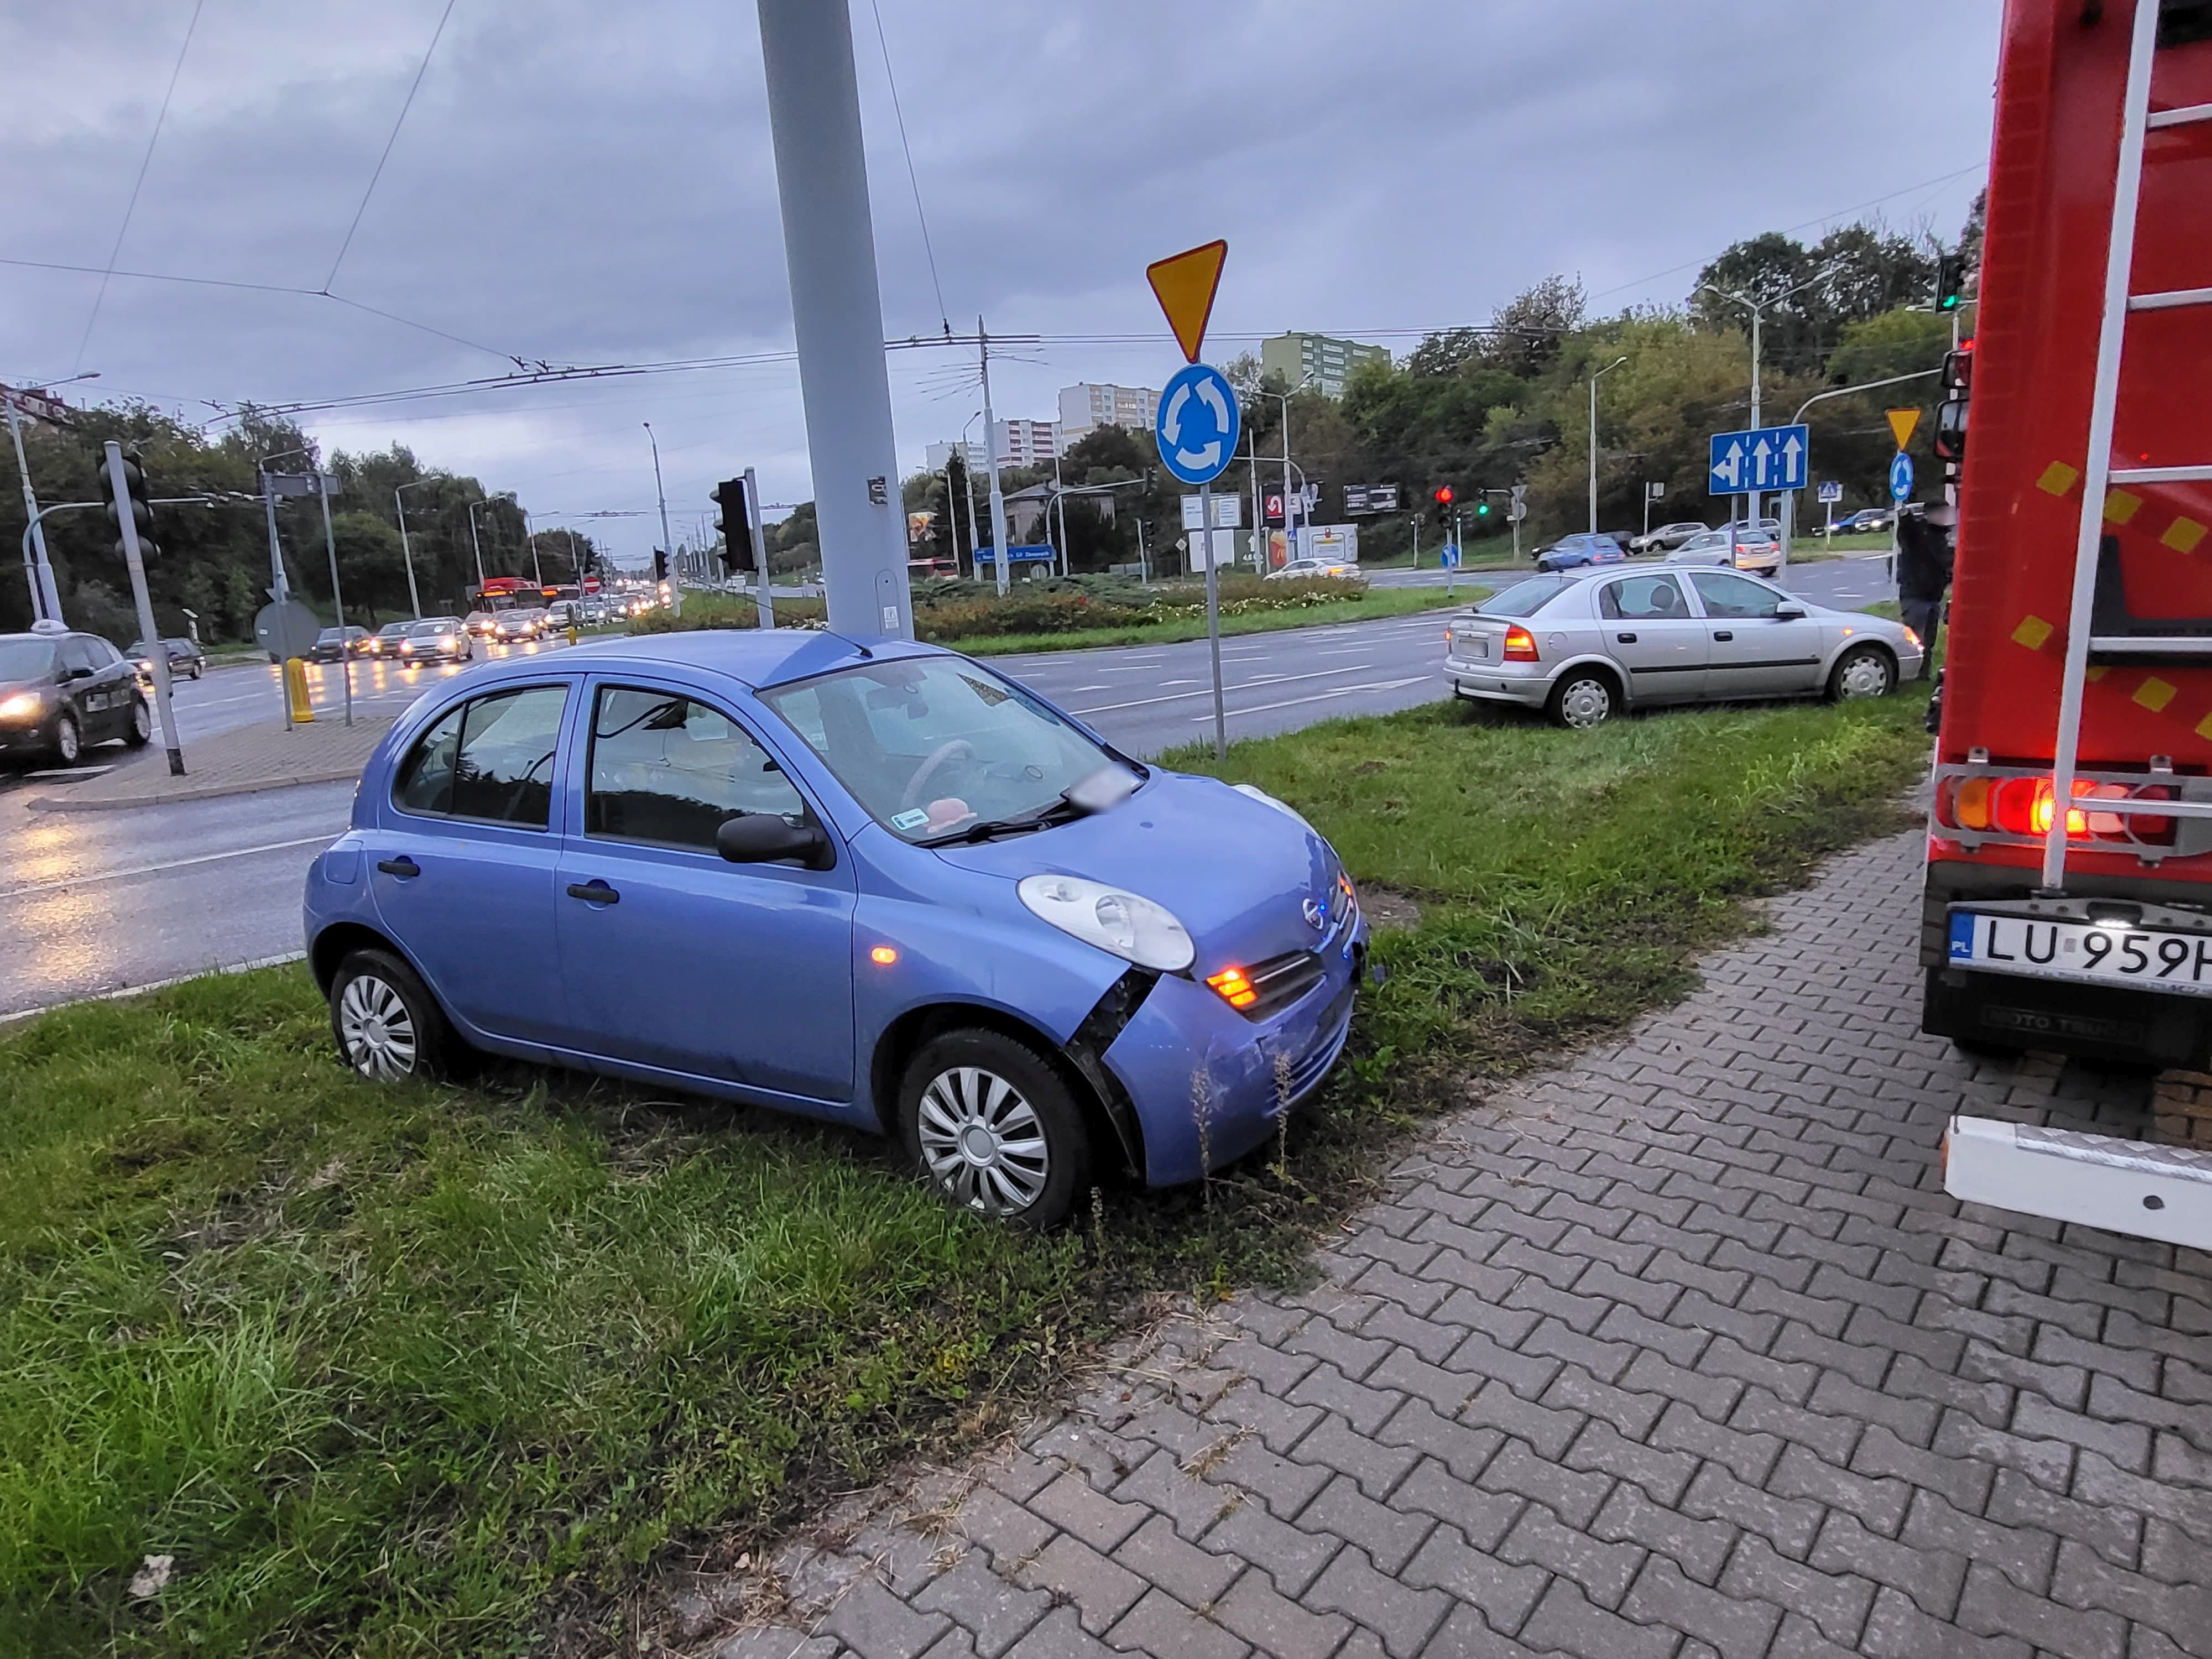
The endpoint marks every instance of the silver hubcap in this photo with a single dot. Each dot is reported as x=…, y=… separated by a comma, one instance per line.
x=376, y=1030
x=1864, y=676
x=65, y=739
x=982, y=1142
x=1586, y=703
x=142, y=723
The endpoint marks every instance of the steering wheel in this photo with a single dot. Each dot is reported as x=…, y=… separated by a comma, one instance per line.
x=957, y=751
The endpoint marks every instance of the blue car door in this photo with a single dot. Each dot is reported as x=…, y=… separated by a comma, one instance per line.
x=461, y=863
x=673, y=956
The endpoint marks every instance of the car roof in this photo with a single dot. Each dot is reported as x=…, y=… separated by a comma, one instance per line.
x=749, y=656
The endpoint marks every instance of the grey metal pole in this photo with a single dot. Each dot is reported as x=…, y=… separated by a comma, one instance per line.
x=1212, y=617
x=337, y=598
x=280, y=590
x=837, y=312
x=991, y=459
x=667, y=542
x=760, y=548
x=119, y=492
x=414, y=599
x=45, y=598
x=476, y=546
x=530, y=541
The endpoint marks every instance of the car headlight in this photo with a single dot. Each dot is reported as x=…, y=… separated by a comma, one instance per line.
x=1283, y=807
x=23, y=705
x=1912, y=639
x=1135, y=929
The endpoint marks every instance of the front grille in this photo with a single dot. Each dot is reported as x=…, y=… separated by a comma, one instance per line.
x=1281, y=981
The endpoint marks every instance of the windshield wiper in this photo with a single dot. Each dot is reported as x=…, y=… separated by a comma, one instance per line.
x=1058, y=810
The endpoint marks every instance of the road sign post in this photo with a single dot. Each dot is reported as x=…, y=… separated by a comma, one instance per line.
x=1197, y=422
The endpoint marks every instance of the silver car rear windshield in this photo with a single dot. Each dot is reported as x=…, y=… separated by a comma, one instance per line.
x=1525, y=598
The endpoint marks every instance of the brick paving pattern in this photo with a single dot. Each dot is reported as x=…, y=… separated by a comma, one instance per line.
x=1677, y=1352
x=237, y=763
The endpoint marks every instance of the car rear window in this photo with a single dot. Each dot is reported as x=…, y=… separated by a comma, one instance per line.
x=1525, y=598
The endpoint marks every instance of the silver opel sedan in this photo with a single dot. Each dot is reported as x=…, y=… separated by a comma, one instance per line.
x=1582, y=646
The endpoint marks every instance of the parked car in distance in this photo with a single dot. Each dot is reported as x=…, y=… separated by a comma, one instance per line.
x=1582, y=548
x=906, y=895
x=61, y=690
x=1298, y=569
x=1745, y=549
x=1583, y=646
x=185, y=656
x=436, y=639
x=1666, y=537
x=333, y=644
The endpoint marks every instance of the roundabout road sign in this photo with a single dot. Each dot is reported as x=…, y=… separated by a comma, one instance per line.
x=1198, y=423
x=1900, y=477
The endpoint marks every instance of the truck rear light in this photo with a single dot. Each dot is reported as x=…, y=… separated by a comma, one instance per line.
x=1519, y=644
x=2025, y=806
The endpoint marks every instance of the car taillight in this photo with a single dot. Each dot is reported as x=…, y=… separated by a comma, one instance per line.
x=1232, y=986
x=2025, y=806
x=1520, y=645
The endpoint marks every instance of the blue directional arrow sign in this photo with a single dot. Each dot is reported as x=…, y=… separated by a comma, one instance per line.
x=1900, y=476
x=1197, y=424
x=1449, y=557
x=1770, y=457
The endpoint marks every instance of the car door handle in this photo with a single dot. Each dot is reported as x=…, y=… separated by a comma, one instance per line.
x=402, y=866
x=1723, y=634
x=593, y=891
x=1625, y=639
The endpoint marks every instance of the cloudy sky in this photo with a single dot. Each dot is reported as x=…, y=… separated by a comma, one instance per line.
x=588, y=183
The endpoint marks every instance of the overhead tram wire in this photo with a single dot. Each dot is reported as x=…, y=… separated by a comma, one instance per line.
x=137, y=184
x=912, y=177
x=391, y=139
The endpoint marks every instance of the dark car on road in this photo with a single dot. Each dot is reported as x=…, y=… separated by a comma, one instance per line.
x=333, y=643
x=186, y=658
x=60, y=690
x=1572, y=552
x=1865, y=520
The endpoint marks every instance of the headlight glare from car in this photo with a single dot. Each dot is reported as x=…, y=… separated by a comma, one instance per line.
x=23, y=705
x=1131, y=927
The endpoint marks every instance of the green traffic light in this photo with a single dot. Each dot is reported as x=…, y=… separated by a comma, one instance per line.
x=1482, y=511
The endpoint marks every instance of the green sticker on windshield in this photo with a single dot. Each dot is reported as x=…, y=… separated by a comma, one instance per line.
x=912, y=820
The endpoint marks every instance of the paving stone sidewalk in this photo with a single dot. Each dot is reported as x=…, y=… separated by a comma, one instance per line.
x=1678, y=1351
x=237, y=763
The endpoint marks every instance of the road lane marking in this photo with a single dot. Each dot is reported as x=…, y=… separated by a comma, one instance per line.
x=172, y=863
x=1177, y=696
x=1323, y=696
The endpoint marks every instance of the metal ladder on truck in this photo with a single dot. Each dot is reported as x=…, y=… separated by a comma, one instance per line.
x=2123, y=1186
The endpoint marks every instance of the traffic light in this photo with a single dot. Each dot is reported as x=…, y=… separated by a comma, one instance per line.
x=1950, y=280
x=1444, y=498
x=659, y=565
x=1482, y=507
x=736, y=525
x=141, y=508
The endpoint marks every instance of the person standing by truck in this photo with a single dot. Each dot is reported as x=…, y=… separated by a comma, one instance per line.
x=1923, y=574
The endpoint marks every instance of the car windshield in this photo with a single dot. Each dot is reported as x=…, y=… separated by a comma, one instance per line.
x=1525, y=598
x=934, y=746
x=331, y=635
x=25, y=659
x=393, y=630
x=442, y=625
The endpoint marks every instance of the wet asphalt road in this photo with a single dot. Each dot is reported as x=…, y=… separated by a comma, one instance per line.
x=91, y=902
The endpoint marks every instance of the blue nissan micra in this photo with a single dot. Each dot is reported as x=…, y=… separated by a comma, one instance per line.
x=875, y=883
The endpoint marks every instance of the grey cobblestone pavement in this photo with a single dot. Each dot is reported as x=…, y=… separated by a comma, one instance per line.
x=1676, y=1351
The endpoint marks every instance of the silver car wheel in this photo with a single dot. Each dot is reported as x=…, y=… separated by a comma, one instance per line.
x=377, y=1030
x=1585, y=703
x=68, y=745
x=982, y=1142
x=1865, y=674
x=142, y=721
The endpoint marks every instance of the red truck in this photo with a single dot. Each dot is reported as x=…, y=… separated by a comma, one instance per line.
x=2069, y=896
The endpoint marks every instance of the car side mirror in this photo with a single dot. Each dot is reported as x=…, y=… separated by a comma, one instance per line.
x=1787, y=612
x=769, y=838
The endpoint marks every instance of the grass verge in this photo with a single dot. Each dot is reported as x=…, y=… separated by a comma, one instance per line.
x=1375, y=602
x=403, y=1371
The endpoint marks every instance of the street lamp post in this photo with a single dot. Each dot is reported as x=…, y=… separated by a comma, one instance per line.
x=1594, y=378
x=1758, y=308
x=475, y=543
x=407, y=553
x=667, y=542
x=45, y=597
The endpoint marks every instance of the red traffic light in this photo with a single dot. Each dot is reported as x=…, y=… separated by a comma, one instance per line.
x=1443, y=495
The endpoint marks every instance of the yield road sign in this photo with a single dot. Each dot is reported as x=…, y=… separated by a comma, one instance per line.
x=1904, y=422
x=1900, y=476
x=1184, y=284
x=1769, y=458
x=1197, y=424
x=284, y=630
x=1831, y=491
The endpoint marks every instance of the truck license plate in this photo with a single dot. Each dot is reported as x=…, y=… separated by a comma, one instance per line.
x=2096, y=952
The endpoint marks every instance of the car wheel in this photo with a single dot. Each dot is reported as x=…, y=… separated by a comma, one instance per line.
x=994, y=1128
x=69, y=741
x=1864, y=670
x=387, y=1024
x=140, y=731
x=198, y=668
x=1582, y=700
